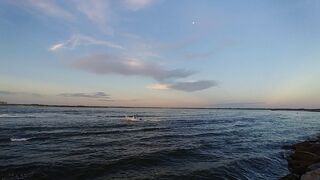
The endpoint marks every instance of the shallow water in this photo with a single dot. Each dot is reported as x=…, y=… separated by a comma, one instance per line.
x=97, y=143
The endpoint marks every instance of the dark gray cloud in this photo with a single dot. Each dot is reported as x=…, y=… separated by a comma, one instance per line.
x=7, y=93
x=192, y=86
x=104, y=100
x=96, y=95
x=106, y=64
x=19, y=93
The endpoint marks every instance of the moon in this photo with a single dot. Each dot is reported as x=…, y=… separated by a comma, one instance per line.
x=193, y=22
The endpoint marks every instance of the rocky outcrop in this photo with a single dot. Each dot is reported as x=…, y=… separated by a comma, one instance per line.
x=304, y=162
x=311, y=175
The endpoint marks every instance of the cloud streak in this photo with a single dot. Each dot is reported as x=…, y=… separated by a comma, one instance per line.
x=158, y=86
x=107, y=64
x=137, y=4
x=98, y=96
x=8, y=93
x=97, y=11
x=193, y=86
x=47, y=7
x=86, y=95
x=185, y=86
x=83, y=40
x=101, y=13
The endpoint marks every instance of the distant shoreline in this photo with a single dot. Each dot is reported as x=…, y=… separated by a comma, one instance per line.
x=222, y=108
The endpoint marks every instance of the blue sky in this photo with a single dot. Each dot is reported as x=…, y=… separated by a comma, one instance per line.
x=161, y=53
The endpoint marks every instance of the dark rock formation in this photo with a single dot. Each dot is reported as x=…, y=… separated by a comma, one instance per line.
x=305, y=158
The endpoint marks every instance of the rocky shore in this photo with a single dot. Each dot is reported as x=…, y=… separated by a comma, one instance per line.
x=304, y=162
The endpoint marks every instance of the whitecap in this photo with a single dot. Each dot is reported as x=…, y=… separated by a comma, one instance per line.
x=26, y=115
x=19, y=139
x=11, y=115
x=4, y=115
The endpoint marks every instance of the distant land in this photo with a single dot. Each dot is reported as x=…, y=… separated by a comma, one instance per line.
x=3, y=102
x=221, y=108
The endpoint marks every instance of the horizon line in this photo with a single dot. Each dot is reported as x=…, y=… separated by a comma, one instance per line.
x=160, y=107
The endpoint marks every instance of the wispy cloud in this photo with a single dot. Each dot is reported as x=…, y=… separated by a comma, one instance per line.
x=97, y=11
x=19, y=93
x=101, y=96
x=105, y=100
x=50, y=8
x=57, y=46
x=102, y=13
x=158, y=86
x=107, y=64
x=184, y=86
x=86, y=95
x=138, y=4
x=142, y=47
x=193, y=86
x=83, y=40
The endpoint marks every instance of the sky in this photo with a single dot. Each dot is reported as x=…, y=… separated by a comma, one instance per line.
x=167, y=53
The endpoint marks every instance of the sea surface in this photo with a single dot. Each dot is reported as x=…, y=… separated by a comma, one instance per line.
x=98, y=143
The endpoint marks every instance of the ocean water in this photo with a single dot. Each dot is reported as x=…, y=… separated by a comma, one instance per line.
x=97, y=143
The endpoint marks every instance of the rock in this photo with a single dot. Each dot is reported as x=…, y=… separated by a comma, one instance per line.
x=301, y=160
x=311, y=175
x=309, y=146
x=314, y=166
x=304, y=158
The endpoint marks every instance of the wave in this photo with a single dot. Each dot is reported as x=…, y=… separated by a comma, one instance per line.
x=31, y=115
x=42, y=136
x=50, y=128
x=133, y=166
x=99, y=168
x=183, y=136
x=9, y=115
x=19, y=139
x=156, y=158
x=90, y=133
x=14, y=139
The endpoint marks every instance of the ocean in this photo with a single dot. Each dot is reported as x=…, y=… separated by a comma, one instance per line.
x=98, y=143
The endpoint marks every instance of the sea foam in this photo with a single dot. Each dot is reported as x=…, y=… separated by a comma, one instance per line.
x=19, y=139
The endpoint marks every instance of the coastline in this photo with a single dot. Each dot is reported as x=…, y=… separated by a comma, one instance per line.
x=304, y=161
